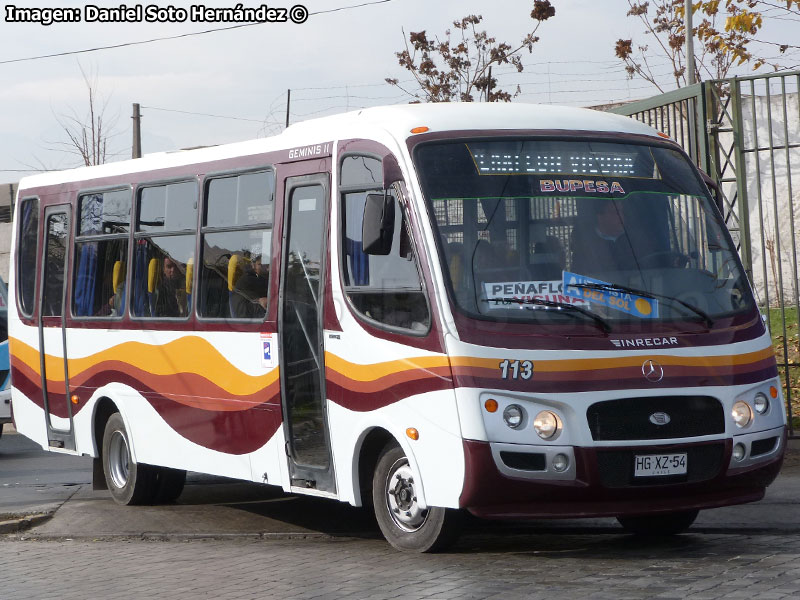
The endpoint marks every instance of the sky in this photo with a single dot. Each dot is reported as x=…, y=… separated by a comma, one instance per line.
x=231, y=85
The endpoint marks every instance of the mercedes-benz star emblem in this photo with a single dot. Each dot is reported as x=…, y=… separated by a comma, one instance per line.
x=659, y=418
x=652, y=371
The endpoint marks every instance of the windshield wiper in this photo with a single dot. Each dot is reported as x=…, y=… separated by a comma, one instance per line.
x=613, y=287
x=560, y=305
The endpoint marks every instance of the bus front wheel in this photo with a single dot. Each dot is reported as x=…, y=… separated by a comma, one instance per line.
x=655, y=525
x=404, y=524
x=128, y=482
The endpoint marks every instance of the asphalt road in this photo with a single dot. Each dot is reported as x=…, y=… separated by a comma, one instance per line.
x=32, y=480
x=232, y=540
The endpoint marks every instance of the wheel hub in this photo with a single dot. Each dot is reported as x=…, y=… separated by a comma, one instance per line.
x=119, y=459
x=401, y=498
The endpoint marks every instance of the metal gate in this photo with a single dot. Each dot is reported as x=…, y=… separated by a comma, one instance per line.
x=745, y=133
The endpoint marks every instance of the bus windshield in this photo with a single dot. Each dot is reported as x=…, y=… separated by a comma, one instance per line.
x=551, y=230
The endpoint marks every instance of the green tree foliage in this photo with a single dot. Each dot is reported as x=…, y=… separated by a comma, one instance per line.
x=457, y=67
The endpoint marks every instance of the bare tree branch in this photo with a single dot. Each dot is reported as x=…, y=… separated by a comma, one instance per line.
x=88, y=135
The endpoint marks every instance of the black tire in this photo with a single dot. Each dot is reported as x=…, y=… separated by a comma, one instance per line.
x=659, y=525
x=402, y=523
x=169, y=484
x=128, y=482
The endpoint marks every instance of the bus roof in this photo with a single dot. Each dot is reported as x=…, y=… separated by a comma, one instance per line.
x=398, y=121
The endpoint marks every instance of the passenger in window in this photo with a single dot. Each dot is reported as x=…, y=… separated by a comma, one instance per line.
x=250, y=291
x=601, y=244
x=171, y=291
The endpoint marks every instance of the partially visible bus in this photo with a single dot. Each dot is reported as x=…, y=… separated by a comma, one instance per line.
x=5, y=376
x=513, y=310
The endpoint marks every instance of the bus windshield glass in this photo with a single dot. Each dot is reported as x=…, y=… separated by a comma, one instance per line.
x=541, y=230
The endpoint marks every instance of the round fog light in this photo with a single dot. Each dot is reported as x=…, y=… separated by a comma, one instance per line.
x=513, y=416
x=738, y=452
x=761, y=403
x=742, y=413
x=547, y=425
x=560, y=463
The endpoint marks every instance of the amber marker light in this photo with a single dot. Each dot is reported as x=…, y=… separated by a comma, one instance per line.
x=412, y=433
x=422, y=129
x=491, y=405
x=74, y=398
x=773, y=391
x=664, y=135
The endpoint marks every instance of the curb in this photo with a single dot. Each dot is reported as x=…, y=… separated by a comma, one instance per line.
x=23, y=523
x=190, y=537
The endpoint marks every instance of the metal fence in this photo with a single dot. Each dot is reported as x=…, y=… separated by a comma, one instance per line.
x=745, y=133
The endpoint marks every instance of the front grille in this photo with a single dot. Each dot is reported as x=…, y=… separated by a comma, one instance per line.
x=633, y=418
x=523, y=461
x=615, y=467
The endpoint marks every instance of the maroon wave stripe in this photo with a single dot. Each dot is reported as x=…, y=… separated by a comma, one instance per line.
x=353, y=399
x=232, y=432
x=623, y=378
x=177, y=384
x=33, y=390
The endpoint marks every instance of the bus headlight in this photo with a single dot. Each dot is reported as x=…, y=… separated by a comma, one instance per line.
x=761, y=403
x=547, y=425
x=742, y=414
x=514, y=415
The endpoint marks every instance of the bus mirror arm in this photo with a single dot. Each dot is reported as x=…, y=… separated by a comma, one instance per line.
x=716, y=193
x=377, y=227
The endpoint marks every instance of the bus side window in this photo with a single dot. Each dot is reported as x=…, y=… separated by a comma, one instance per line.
x=237, y=246
x=386, y=289
x=164, y=251
x=26, y=255
x=100, y=262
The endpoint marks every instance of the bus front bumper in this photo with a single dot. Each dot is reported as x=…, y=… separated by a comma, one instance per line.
x=600, y=481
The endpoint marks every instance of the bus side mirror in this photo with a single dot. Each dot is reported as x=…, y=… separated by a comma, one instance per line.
x=716, y=193
x=377, y=227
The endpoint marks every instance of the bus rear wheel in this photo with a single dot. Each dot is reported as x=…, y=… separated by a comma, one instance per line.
x=404, y=524
x=169, y=484
x=128, y=482
x=657, y=525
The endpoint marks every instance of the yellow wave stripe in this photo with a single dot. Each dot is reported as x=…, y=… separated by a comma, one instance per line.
x=371, y=372
x=192, y=354
x=189, y=354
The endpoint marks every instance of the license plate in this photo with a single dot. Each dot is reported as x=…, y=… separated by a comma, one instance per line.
x=654, y=465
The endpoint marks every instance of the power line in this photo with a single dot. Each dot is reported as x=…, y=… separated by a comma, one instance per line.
x=187, y=112
x=182, y=35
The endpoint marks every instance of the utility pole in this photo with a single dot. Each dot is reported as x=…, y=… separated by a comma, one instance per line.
x=687, y=21
x=137, y=132
x=489, y=87
x=288, y=101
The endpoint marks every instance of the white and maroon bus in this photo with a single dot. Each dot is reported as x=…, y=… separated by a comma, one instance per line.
x=513, y=310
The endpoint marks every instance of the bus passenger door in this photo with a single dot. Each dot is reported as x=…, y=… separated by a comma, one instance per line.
x=300, y=328
x=52, y=333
